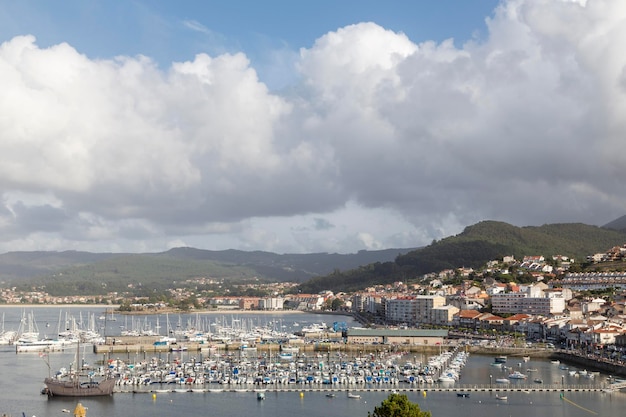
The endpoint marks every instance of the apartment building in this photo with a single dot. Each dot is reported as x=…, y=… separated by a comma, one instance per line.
x=413, y=310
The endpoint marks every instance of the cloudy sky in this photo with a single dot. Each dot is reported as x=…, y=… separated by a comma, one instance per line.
x=298, y=127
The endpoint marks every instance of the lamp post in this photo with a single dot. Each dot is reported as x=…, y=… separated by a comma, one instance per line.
x=490, y=379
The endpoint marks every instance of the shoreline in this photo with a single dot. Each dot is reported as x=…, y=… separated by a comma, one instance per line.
x=105, y=306
x=114, y=308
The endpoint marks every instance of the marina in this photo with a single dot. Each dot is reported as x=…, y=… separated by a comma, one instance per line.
x=352, y=380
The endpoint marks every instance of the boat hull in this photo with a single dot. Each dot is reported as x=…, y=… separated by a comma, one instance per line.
x=60, y=388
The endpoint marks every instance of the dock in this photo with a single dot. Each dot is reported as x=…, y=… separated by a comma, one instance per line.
x=391, y=389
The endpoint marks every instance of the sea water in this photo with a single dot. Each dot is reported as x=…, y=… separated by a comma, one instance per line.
x=23, y=374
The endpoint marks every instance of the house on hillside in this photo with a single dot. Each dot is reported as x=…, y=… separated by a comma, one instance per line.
x=466, y=319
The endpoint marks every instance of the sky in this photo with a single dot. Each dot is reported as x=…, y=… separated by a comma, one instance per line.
x=301, y=127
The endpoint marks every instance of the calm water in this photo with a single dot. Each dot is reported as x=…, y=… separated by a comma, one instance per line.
x=23, y=375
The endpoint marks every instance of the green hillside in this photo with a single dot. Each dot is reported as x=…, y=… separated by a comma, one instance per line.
x=476, y=245
x=141, y=272
x=82, y=273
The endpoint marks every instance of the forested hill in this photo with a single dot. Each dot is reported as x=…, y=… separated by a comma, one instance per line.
x=73, y=272
x=476, y=245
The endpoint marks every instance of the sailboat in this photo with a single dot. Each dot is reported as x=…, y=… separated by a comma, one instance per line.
x=75, y=386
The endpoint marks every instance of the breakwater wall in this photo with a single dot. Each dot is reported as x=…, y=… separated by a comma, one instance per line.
x=609, y=367
x=582, y=361
x=149, y=344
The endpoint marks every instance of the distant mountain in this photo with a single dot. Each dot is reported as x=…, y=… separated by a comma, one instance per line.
x=617, y=224
x=477, y=244
x=83, y=272
x=15, y=266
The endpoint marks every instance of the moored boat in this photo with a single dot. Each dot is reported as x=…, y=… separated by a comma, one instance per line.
x=75, y=385
x=517, y=375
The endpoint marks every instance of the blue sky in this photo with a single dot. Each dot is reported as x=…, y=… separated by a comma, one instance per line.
x=305, y=126
x=268, y=32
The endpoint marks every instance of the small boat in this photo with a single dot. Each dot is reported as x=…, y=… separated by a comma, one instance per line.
x=555, y=362
x=501, y=397
x=526, y=358
x=260, y=396
x=517, y=375
x=330, y=395
x=355, y=396
x=538, y=381
x=502, y=381
x=500, y=359
x=463, y=394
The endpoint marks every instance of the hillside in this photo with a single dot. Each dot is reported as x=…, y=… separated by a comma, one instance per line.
x=73, y=272
x=476, y=245
x=617, y=224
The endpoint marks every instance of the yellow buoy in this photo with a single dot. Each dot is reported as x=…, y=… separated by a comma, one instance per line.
x=80, y=411
x=154, y=396
x=424, y=394
x=302, y=395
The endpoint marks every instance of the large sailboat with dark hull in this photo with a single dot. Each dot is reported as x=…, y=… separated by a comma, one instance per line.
x=73, y=387
x=77, y=384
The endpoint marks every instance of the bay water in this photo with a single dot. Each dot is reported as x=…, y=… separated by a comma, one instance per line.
x=23, y=374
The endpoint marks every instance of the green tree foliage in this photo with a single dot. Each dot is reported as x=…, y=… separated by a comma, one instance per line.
x=398, y=405
x=477, y=244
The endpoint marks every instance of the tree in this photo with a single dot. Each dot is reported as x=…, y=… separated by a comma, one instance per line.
x=398, y=405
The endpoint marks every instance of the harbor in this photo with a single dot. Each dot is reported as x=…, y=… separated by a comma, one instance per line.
x=233, y=375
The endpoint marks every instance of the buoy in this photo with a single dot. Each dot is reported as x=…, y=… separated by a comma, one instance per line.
x=80, y=411
x=154, y=396
x=302, y=395
x=424, y=394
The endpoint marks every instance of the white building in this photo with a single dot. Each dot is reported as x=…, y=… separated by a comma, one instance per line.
x=412, y=310
x=443, y=315
x=518, y=302
x=271, y=303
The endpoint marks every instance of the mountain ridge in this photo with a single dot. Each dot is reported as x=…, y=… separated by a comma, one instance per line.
x=477, y=244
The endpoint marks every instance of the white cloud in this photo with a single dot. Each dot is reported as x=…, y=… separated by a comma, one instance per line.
x=196, y=26
x=388, y=140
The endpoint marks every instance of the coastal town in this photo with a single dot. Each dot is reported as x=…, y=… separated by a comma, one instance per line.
x=553, y=305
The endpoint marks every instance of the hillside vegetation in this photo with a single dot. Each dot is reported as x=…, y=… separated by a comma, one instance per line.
x=75, y=273
x=473, y=247
x=83, y=273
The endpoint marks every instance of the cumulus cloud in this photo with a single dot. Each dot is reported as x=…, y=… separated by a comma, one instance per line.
x=525, y=126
